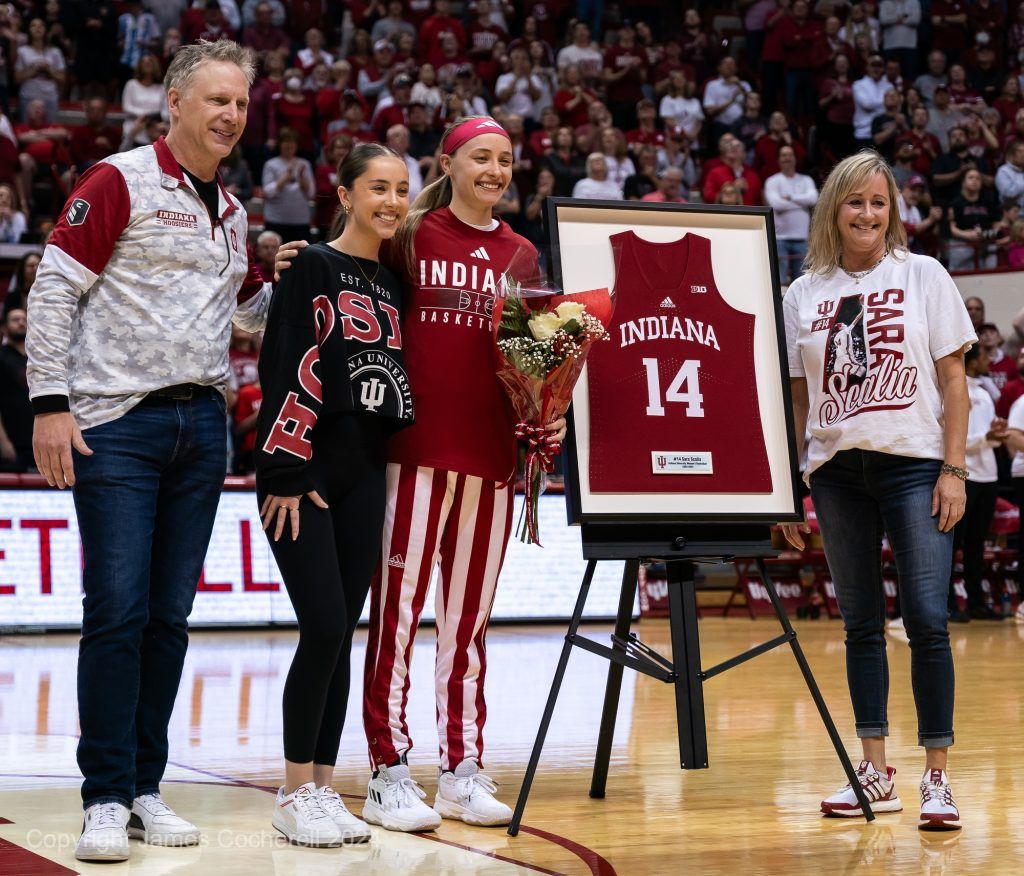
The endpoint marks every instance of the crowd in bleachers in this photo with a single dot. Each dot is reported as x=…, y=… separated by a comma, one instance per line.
x=743, y=102
x=643, y=101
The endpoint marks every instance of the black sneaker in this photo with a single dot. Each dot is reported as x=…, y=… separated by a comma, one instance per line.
x=959, y=617
x=985, y=612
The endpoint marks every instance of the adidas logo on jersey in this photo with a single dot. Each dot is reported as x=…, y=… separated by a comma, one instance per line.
x=667, y=302
x=480, y=253
x=397, y=562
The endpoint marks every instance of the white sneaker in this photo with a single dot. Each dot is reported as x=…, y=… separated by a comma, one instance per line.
x=880, y=791
x=468, y=795
x=302, y=820
x=154, y=822
x=394, y=801
x=938, y=811
x=104, y=837
x=353, y=830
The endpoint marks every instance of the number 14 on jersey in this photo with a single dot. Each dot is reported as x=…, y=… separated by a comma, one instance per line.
x=684, y=389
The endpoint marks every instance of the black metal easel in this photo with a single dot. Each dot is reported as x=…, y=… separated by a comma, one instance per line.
x=683, y=670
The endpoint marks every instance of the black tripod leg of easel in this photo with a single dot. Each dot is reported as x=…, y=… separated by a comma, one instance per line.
x=689, y=686
x=812, y=686
x=556, y=684
x=623, y=620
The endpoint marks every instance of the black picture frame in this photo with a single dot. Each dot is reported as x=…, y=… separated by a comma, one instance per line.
x=790, y=509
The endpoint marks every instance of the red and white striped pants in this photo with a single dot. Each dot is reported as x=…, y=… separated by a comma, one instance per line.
x=460, y=524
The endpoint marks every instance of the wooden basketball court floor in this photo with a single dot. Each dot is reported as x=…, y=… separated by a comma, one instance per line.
x=755, y=811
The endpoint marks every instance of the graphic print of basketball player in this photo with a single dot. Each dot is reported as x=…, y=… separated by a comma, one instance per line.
x=846, y=351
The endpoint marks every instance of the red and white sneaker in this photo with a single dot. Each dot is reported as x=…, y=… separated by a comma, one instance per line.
x=880, y=791
x=938, y=810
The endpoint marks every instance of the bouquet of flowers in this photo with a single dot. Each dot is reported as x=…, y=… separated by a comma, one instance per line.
x=542, y=338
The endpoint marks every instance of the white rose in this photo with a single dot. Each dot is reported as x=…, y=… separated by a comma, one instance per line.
x=544, y=325
x=568, y=310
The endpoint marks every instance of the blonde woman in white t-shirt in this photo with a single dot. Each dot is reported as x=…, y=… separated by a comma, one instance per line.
x=616, y=156
x=876, y=339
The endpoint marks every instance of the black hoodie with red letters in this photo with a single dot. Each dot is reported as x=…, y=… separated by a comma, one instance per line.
x=333, y=345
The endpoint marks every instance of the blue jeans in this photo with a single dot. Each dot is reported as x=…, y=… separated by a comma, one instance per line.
x=857, y=495
x=791, y=255
x=801, y=94
x=591, y=13
x=146, y=501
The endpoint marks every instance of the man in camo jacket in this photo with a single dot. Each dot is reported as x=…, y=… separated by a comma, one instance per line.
x=128, y=362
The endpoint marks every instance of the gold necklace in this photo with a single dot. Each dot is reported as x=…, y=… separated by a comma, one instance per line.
x=361, y=271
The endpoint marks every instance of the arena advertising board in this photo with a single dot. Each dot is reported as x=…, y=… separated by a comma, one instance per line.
x=41, y=561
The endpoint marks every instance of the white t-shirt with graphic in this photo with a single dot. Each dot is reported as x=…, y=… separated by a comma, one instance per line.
x=868, y=350
x=1015, y=420
x=981, y=455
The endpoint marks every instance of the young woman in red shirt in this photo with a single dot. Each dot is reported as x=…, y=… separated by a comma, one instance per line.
x=450, y=483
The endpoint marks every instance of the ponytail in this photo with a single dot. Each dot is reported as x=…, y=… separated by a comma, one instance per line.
x=337, y=223
x=432, y=197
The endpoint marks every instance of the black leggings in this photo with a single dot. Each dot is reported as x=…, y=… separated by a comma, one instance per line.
x=327, y=573
x=970, y=534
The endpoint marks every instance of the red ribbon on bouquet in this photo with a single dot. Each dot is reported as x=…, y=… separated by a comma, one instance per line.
x=540, y=457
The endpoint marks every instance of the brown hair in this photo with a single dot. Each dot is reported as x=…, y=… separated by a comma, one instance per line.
x=353, y=166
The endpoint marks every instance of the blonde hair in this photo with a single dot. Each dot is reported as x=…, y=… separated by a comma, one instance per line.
x=824, y=245
x=13, y=195
x=432, y=197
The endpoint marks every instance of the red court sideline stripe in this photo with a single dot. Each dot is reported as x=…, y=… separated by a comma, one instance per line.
x=16, y=861
x=598, y=865
x=535, y=867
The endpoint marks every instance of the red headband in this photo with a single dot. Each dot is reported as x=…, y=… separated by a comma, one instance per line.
x=470, y=129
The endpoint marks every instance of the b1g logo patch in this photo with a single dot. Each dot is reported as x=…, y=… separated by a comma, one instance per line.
x=77, y=211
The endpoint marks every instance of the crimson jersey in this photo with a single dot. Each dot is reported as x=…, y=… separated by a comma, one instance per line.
x=673, y=401
x=1002, y=371
x=464, y=421
x=250, y=397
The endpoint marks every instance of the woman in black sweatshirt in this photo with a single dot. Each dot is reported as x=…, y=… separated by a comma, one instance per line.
x=334, y=388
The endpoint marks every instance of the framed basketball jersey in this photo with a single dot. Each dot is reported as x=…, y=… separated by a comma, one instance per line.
x=681, y=363
x=685, y=412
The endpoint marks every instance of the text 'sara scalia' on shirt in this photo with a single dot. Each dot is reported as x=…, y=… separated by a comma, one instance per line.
x=673, y=395
x=333, y=345
x=868, y=350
